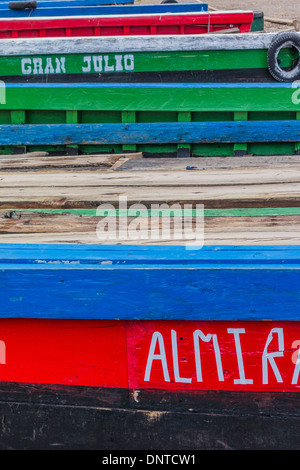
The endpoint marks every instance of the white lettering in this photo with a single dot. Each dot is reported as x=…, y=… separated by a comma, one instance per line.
x=129, y=62
x=175, y=360
x=269, y=357
x=97, y=62
x=236, y=333
x=37, y=66
x=26, y=66
x=60, y=65
x=297, y=364
x=107, y=67
x=87, y=68
x=49, y=67
x=119, y=66
x=198, y=334
x=160, y=357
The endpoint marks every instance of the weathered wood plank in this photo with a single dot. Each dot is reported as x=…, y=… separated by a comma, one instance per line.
x=38, y=162
x=226, y=188
x=134, y=180
x=194, y=163
x=151, y=133
x=26, y=227
x=71, y=428
x=136, y=43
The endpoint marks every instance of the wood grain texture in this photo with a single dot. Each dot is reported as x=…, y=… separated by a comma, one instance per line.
x=93, y=45
x=17, y=226
x=151, y=133
x=226, y=188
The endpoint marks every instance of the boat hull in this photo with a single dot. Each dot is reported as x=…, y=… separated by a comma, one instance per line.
x=97, y=396
x=124, y=25
x=82, y=8
x=156, y=119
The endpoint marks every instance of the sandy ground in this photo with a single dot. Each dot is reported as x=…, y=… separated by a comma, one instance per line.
x=282, y=9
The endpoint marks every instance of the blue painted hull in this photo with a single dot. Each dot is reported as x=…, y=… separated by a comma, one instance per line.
x=165, y=283
x=82, y=8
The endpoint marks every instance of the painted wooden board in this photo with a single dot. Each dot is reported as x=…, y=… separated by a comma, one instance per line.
x=78, y=353
x=144, y=103
x=151, y=133
x=122, y=64
x=169, y=282
x=114, y=25
x=156, y=355
x=152, y=97
x=82, y=8
x=83, y=45
x=195, y=356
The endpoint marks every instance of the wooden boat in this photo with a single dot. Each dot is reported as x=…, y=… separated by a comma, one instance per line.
x=234, y=59
x=152, y=95
x=82, y=8
x=187, y=346
x=124, y=25
x=33, y=4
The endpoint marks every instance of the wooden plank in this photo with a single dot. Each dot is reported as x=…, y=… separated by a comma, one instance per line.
x=81, y=8
x=154, y=133
x=170, y=282
x=194, y=163
x=38, y=227
x=231, y=188
x=92, y=45
x=63, y=3
x=111, y=25
x=151, y=97
x=256, y=421
x=152, y=355
x=135, y=181
x=192, y=356
x=64, y=352
x=40, y=161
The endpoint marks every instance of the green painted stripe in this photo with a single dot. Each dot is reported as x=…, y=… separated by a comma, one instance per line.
x=142, y=62
x=183, y=97
x=243, y=212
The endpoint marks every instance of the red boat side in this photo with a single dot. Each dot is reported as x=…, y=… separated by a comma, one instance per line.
x=163, y=24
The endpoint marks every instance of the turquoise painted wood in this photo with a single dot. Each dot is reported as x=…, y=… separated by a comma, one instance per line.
x=149, y=282
x=151, y=133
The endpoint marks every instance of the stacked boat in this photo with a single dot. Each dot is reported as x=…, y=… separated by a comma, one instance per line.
x=146, y=346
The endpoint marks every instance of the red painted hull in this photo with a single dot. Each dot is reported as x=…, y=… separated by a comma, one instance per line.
x=152, y=355
x=191, y=23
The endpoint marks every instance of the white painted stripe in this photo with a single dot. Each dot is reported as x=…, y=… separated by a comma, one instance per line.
x=114, y=44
